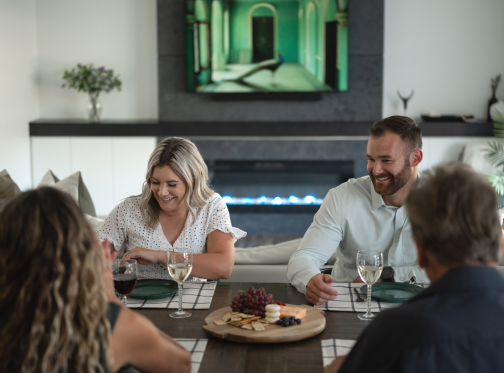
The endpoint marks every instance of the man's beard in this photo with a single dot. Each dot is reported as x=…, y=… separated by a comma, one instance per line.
x=395, y=183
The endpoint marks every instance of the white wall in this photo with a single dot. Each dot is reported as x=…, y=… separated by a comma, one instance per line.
x=446, y=50
x=112, y=168
x=18, y=93
x=117, y=34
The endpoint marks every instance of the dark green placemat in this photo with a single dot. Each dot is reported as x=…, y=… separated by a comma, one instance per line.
x=392, y=292
x=154, y=289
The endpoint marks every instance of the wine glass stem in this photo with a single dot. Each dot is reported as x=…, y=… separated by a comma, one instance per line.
x=125, y=300
x=369, y=299
x=180, y=298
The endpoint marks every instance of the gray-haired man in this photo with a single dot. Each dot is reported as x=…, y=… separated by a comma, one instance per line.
x=455, y=325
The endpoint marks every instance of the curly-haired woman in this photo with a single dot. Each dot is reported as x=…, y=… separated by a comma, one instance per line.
x=58, y=311
x=177, y=208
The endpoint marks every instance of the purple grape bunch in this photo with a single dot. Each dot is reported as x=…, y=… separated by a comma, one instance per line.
x=252, y=302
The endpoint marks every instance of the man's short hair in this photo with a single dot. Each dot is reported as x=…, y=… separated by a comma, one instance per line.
x=453, y=215
x=407, y=128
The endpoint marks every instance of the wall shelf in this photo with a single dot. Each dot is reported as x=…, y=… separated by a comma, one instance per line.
x=61, y=127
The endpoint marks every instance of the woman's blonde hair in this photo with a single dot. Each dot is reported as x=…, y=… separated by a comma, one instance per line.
x=186, y=161
x=51, y=290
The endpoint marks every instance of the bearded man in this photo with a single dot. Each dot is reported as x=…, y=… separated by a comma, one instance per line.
x=365, y=214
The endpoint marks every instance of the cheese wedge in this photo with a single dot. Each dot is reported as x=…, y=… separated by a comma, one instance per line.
x=298, y=313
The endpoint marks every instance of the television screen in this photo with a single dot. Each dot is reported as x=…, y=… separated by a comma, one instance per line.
x=250, y=46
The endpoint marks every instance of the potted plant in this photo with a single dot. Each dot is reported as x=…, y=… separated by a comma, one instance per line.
x=495, y=155
x=93, y=81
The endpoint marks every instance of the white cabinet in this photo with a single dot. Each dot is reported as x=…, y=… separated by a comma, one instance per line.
x=112, y=168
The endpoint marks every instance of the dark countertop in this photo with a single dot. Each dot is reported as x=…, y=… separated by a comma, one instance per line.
x=74, y=127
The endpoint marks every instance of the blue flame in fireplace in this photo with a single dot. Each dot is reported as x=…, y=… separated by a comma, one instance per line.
x=277, y=200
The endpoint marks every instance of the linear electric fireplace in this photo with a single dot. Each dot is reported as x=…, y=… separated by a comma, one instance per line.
x=277, y=186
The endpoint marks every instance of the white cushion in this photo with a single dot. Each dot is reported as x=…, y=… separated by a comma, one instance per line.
x=474, y=155
x=95, y=223
x=74, y=186
x=270, y=254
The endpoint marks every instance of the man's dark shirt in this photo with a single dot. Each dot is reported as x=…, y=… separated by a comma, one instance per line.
x=455, y=325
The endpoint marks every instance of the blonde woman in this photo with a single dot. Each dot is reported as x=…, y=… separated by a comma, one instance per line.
x=58, y=311
x=176, y=209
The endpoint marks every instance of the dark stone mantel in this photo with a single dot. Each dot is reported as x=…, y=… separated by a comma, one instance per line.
x=61, y=127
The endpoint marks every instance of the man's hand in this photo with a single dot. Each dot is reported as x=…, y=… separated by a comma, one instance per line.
x=319, y=291
x=358, y=280
x=335, y=366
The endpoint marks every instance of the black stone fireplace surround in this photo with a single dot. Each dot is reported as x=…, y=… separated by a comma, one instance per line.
x=287, y=221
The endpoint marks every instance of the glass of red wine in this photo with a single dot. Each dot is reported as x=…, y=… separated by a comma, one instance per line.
x=125, y=272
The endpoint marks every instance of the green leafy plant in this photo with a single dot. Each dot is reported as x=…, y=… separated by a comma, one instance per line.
x=90, y=79
x=495, y=155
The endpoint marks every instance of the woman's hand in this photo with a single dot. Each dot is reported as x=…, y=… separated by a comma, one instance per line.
x=108, y=279
x=218, y=261
x=146, y=256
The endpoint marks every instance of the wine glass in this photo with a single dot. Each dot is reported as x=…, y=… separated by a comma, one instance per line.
x=125, y=272
x=180, y=262
x=369, y=266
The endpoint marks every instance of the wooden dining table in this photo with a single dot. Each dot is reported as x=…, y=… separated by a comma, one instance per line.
x=226, y=356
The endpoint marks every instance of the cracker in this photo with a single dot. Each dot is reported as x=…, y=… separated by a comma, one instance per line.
x=258, y=326
x=219, y=322
x=245, y=316
x=247, y=326
x=235, y=318
x=226, y=317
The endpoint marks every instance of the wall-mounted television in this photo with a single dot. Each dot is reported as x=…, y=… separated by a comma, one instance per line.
x=273, y=46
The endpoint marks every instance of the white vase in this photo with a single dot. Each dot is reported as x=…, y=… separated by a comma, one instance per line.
x=495, y=109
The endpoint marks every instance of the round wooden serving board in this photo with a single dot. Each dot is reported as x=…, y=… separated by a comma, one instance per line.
x=313, y=323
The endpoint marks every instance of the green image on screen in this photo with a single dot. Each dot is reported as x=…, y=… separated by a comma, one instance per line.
x=246, y=46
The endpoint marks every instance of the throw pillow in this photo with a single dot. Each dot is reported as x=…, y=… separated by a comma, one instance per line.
x=474, y=154
x=95, y=223
x=8, y=189
x=73, y=185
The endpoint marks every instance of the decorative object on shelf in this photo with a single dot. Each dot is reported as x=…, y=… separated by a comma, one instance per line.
x=405, y=101
x=496, y=109
x=449, y=118
x=495, y=83
x=93, y=81
x=495, y=155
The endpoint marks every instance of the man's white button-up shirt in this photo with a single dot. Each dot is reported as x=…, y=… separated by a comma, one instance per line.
x=354, y=217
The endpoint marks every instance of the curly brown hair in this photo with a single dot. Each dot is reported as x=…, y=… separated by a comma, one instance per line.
x=51, y=292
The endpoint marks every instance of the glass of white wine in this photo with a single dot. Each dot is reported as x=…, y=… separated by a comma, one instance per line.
x=369, y=266
x=180, y=262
